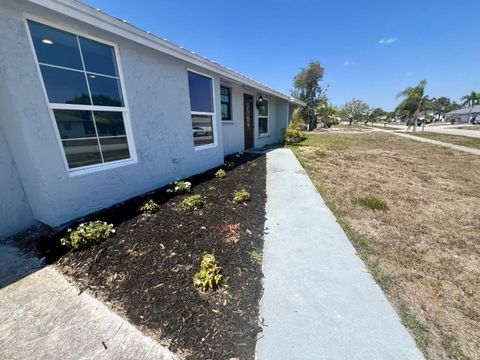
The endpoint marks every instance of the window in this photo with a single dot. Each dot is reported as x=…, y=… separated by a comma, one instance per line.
x=83, y=87
x=263, y=117
x=226, y=103
x=202, y=108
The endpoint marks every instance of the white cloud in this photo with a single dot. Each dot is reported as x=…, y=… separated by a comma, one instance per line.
x=387, y=41
x=347, y=63
x=409, y=73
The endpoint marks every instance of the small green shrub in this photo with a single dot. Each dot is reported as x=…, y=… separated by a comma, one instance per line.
x=241, y=196
x=87, y=234
x=193, y=202
x=229, y=165
x=209, y=276
x=220, y=174
x=293, y=133
x=256, y=257
x=329, y=123
x=180, y=187
x=373, y=203
x=149, y=207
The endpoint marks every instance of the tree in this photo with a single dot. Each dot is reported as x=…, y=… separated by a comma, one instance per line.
x=326, y=113
x=377, y=113
x=413, y=102
x=355, y=110
x=441, y=106
x=471, y=100
x=307, y=88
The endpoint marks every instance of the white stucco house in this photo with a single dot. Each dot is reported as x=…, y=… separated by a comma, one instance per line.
x=96, y=111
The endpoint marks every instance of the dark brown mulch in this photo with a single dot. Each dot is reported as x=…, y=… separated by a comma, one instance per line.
x=145, y=271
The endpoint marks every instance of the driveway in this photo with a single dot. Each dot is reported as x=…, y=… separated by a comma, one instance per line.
x=319, y=301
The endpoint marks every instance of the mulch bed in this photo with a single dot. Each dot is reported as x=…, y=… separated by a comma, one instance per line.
x=145, y=270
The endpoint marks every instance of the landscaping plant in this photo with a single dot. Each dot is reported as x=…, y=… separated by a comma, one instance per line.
x=241, y=196
x=149, y=207
x=209, y=276
x=193, y=202
x=87, y=234
x=180, y=187
x=293, y=134
x=220, y=174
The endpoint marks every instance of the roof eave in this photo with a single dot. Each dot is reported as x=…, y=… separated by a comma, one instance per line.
x=99, y=19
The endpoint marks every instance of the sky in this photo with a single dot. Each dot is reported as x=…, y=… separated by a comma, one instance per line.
x=371, y=50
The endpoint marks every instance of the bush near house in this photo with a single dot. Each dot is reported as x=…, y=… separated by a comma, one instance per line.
x=220, y=174
x=87, y=234
x=180, y=187
x=241, y=196
x=149, y=207
x=209, y=276
x=193, y=202
x=293, y=134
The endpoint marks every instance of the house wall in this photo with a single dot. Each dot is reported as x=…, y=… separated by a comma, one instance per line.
x=233, y=131
x=278, y=118
x=158, y=97
x=14, y=208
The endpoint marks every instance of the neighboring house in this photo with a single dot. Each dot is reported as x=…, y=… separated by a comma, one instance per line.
x=463, y=115
x=96, y=111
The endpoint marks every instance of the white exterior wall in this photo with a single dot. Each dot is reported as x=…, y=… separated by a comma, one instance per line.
x=15, y=213
x=158, y=96
x=233, y=131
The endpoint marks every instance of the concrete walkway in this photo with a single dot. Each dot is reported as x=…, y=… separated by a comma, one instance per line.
x=42, y=316
x=319, y=300
x=435, y=142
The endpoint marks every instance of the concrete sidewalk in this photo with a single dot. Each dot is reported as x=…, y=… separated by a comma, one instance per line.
x=319, y=300
x=43, y=316
x=466, y=149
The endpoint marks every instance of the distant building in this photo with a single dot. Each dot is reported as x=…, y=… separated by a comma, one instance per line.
x=463, y=115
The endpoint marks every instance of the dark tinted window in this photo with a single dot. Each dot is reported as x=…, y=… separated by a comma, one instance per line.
x=65, y=86
x=201, y=97
x=74, y=124
x=109, y=123
x=263, y=125
x=98, y=58
x=55, y=47
x=226, y=103
x=105, y=90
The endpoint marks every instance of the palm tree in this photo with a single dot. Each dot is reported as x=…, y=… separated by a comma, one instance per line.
x=414, y=101
x=471, y=100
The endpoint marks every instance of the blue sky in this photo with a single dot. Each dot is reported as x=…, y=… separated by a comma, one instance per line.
x=371, y=49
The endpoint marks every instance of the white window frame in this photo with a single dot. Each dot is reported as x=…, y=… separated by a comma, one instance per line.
x=212, y=114
x=54, y=106
x=264, y=117
x=231, y=103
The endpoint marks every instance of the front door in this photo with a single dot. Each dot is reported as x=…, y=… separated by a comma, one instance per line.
x=248, y=120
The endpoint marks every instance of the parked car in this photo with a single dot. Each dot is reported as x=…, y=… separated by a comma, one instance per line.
x=198, y=131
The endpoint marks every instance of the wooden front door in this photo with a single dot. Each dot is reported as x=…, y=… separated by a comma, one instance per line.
x=248, y=120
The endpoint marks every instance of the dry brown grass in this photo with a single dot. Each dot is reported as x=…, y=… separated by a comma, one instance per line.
x=424, y=251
